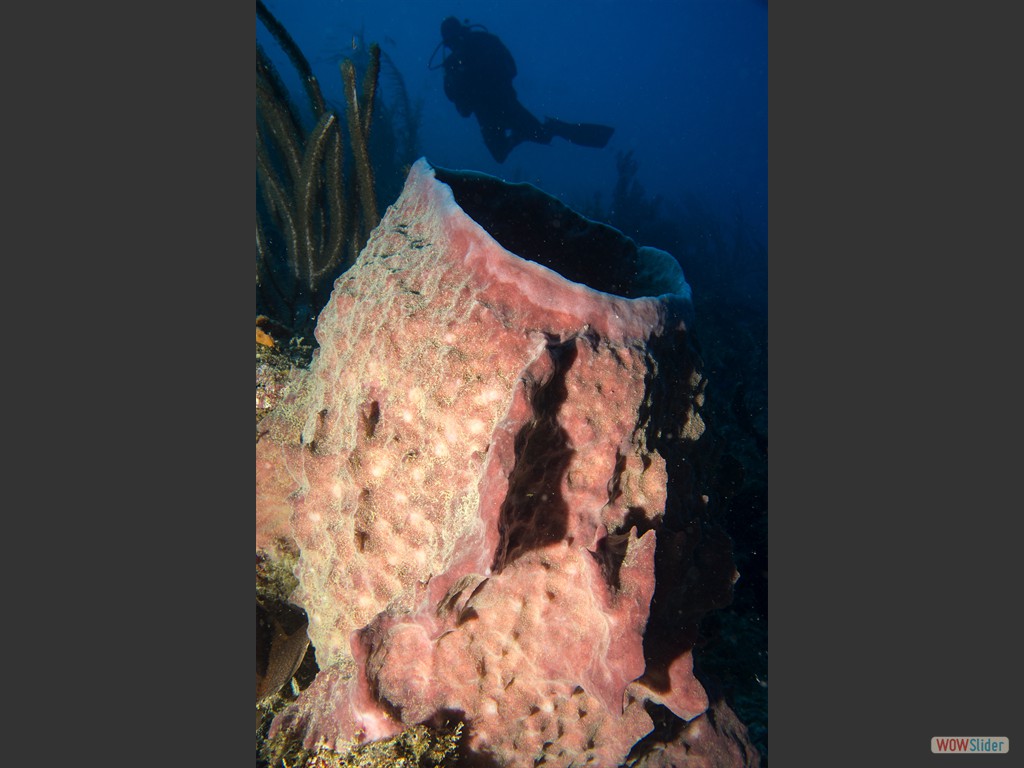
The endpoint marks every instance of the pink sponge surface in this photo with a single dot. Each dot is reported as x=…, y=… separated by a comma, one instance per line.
x=462, y=471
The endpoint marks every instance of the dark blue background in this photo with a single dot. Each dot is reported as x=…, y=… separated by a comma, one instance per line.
x=684, y=82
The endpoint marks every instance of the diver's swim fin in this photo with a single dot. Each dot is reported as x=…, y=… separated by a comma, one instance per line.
x=581, y=134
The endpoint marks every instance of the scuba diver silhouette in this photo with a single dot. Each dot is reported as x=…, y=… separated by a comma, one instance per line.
x=478, y=74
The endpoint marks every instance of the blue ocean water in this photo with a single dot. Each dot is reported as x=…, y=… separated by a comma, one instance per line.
x=683, y=82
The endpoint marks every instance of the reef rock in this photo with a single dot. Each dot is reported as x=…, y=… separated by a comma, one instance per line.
x=715, y=739
x=465, y=474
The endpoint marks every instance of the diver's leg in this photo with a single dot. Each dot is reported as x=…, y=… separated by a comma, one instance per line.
x=496, y=140
x=581, y=134
x=526, y=127
x=493, y=122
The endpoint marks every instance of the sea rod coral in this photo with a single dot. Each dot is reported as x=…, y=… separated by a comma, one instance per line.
x=467, y=476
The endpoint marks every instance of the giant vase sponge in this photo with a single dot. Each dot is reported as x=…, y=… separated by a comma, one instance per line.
x=466, y=474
